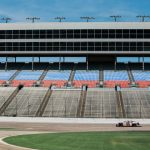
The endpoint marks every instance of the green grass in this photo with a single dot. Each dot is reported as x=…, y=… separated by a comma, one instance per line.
x=7, y=129
x=84, y=141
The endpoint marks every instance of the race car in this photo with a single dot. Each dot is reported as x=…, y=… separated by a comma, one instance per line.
x=128, y=124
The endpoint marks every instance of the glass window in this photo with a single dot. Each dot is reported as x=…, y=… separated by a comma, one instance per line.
x=98, y=44
x=22, y=44
x=29, y=44
x=84, y=31
x=76, y=31
x=77, y=44
x=70, y=44
x=105, y=31
x=111, y=31
x=42, y=31
x=36, y=31
x=119, y=44
x=28, y=31
x=22, y=32
x=119, y=31
x=2, y=32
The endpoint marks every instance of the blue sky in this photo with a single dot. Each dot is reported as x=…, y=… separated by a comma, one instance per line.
x=74, y=9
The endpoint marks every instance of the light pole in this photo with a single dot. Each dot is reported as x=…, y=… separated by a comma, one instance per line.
x=33, y=19
x=115, y=17
x=60, y=18
x=87, y=18
x=6, y=19
x=142, y=17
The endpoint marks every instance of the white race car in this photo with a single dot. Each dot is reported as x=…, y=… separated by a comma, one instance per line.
x=128, y=124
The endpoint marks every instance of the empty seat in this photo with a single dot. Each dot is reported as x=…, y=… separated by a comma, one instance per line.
x=111, y=75
x=26, y=83
x=6, y=75
x=141, y=75
x=57, y=75
x=29, y=75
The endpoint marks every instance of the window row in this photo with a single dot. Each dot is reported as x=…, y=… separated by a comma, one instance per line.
x=50, y=34
x=75, y=48
x=71, y=44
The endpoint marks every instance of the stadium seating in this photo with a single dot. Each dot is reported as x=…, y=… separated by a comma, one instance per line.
x=29, y=75
x=5, y=92
x=136, y=103
x=111, y=78
x=122, y=84
x=100, y=103
x=86, y=77
x=27, y=78
x=63, y=103
x=58, y=83
x=27, y=102
x=141, y=75
x=26, y=83
x=59, y=78
x=6, y=75
x=79, y=83
x=142, y=78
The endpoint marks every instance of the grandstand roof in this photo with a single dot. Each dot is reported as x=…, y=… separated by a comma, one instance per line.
x=75, y=25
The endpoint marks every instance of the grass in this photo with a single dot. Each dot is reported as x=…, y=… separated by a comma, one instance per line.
x=7, y=129
x=84, y=141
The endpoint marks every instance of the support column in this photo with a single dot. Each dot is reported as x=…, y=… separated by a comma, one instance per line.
x=39, y=59
x=59, y=63
x=15, y=59
x=143, y=64
x=6, y=64
x=32, y=63
x=87, y=63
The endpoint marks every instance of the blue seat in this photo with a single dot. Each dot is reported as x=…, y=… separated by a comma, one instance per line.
x=6, y=75
x=57, y=75
x=29, y=75
x=141, y=76
x=111, y=75
x=86, y=75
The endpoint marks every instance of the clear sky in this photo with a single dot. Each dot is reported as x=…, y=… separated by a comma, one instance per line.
x=74, y=9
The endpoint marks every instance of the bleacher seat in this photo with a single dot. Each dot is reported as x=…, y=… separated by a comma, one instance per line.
x=111, y=78
x=29, y=75
x=6, y=75
x=59, y=78
x=86, y=75
x=143, y=84
x=79, y=83
x=122, y=84
x=111, y=75
x=89, y=78
x=141, y=75
x=26, y=83
x=58, y=83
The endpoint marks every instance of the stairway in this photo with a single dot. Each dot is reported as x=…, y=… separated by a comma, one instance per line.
x=131, y=77
x=120, y=104
x=101, y=77
x=14, y=76
x=71, y=77
x=81, y=106
x=43, y=105
x=41, y=78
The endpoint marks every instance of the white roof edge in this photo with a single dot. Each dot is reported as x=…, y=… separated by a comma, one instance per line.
x=74, y=25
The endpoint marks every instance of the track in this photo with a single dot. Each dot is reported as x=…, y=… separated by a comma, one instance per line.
x=33, y=128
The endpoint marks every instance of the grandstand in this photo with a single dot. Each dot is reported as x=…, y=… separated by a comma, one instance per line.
x=99, y=87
